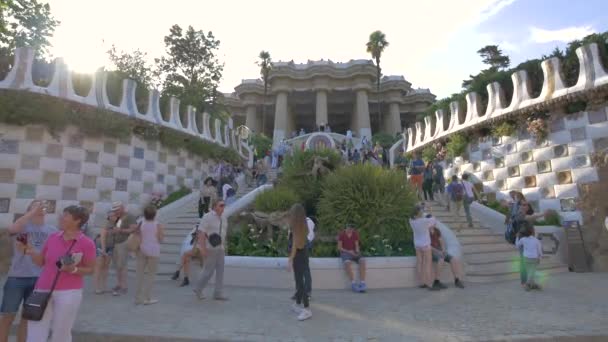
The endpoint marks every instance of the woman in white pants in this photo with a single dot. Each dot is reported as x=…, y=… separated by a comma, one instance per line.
x=70, y=255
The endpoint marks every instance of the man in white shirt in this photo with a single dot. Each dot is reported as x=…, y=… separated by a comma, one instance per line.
x=469, y=197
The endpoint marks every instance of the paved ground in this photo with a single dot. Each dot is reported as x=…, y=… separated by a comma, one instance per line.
x=571, y=305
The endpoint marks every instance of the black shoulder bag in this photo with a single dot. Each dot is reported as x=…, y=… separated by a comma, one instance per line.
x=36, y=303
x=215, y=239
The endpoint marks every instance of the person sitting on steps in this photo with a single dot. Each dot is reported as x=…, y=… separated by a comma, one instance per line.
x=188, y=251
x=439, y=255
x=348, y=246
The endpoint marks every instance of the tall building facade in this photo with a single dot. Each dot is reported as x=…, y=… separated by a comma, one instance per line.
x=320, y=93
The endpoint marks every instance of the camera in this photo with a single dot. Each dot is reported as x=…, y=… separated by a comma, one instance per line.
x=64, y=260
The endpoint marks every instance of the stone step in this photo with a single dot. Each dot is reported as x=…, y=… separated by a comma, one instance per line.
x=507, y=267
x=180, y=233
x=485, y=258
x=476, y=232
x=170, y=248
x=480, y=239
x=488, y=248
x=484, y=278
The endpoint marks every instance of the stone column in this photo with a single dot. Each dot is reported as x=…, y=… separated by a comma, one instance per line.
x=321, y=113
x=393, y=122
x=362, y=115
x=280, y=117
x=251, y=120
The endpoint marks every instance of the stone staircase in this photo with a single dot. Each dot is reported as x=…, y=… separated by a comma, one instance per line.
x=488, y=257
x=180, y=223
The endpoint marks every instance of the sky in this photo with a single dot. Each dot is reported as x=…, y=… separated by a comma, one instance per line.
x=433, y=43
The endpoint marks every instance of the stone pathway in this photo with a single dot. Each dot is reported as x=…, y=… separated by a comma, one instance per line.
x=572, y=305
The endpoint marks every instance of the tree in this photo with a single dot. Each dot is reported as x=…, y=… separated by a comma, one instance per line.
x=493, y=56
x=133, y=65
x=265, y=64
x=376, y=45
x=25, y=23
x=190, y=70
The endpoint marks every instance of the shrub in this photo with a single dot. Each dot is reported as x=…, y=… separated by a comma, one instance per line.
x=377, y=201
x=82, y=83
x=551, y=219
x=498, y=207
x=504, y=129
x=261, y=143
x=277, y=199
x=386, y=140
x=429, y=154
x=297, y=177
x=576, y=106
x=174, y=196
x=457, y=145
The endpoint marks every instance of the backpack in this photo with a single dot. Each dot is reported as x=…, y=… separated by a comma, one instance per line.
x=458, y=192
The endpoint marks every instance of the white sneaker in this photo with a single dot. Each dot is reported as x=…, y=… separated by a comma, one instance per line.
x=304, y=315
x=296, y=308
x=151, y=301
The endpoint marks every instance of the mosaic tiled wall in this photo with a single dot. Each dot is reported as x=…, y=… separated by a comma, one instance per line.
x=548, y=173
x=77, y=169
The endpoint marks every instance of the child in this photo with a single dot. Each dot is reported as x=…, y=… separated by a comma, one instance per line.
x=532, y=252
x=105, y=247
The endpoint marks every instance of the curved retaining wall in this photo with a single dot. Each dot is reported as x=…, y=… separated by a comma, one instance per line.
x=592, y=75
x=191, y=122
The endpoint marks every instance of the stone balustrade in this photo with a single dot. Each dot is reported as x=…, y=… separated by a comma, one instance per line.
x=191, y=122
x=592, y=76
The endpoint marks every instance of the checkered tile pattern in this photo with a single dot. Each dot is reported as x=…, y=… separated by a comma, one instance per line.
x=549, y=173
x=90, y=171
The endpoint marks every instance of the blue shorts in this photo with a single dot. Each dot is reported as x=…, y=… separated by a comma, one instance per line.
x=16, y=290
x=347, y=257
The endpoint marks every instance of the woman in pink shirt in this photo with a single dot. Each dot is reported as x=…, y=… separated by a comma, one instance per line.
x=71, y=255
x=147, y=258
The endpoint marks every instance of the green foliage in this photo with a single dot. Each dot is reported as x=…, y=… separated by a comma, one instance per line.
x=536, y=76
x=386, y=140
x=429, y=154
x=297, y=175
x=280, y=198
x=377, y=201
x=24, y=108
x=265, y=64
x=82, y=83
x=191, y=70
x=174, y=196
x=493, y=57
x=26, y=23
x=114, y=87
x=375, y=46
x=576, y=106
x=261, y=144
x=504, y=129
x=570, y=63
x=498, y=207
x=457, y=145
x=248, y=240
x=132, y=65
x=551, y=219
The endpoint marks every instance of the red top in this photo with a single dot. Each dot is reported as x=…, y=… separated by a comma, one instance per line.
x=435, y=235
x=348, y=243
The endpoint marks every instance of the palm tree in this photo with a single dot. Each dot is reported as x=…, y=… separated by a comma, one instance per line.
x=376, y=45
x=265, y=64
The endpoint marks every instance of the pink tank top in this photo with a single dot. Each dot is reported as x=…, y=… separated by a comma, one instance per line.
x=149, y=239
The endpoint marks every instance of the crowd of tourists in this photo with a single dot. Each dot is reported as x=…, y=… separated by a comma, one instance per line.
x=48, y=265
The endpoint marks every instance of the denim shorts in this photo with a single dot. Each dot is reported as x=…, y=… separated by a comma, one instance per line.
x=347, y=257
x=16, y=290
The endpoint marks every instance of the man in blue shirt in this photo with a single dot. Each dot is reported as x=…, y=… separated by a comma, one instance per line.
x=416, y=170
